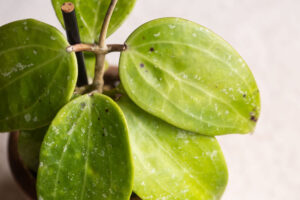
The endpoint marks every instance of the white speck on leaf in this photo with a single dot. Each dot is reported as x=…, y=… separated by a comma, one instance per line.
x=27, y=117
x=194, y=35
x=53, y=38
x=157, y=34
x=171, y=26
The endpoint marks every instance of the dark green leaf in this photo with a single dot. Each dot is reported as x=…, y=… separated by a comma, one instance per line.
x=190, y=77
x=170, y=163
x=37, y=75
x=85, y=153
x=90, y=15
x=29, y=145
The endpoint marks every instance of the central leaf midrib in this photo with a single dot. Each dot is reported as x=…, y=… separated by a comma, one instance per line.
x=37, y=100
x=87, y=159
x=171, y=157
x=28, y=46
x=230, y=67
x=31, y=70
x=205, y=92
x=178, y=108
x=63, y=153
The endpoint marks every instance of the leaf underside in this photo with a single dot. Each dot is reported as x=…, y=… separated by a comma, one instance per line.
x=171, y=163
x=188, y=76
x=85, y=153
x=37, y=75
x=90, y=15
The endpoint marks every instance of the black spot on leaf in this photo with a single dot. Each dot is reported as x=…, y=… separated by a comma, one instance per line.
x=142, y=65
x=253, y=118
x=151, y=49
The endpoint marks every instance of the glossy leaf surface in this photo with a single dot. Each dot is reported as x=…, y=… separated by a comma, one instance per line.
x=170, y=163
x=37, y=75
x=188, y=76
x=29, y=145
x=90, y=15
x=85, y=153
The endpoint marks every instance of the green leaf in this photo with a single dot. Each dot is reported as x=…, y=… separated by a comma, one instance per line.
x=86, y=153
x=90, y=15
x=37, y=75
x=171, y=163
x=190, y=77
x=29, y=144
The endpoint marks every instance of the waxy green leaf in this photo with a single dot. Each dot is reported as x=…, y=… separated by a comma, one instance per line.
x=190, y=77
x=85, y=153
x=37, y=75
x=90, y=15
x=170, y=163
x=29, y=144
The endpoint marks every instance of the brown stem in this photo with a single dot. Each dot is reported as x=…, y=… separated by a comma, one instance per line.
x=116, y=47
x=96, y=49
x=105, y=24
x=98, y=81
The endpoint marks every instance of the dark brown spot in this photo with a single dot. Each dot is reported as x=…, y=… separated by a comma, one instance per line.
x=98, y=118
x=40, y=100
x=106, y=110
x=142, y=65
x=143, y=38
x=151, y=49
x=253, y=118
x=244, y=95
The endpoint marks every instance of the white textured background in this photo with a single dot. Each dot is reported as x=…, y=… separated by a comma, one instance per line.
x=262, y=166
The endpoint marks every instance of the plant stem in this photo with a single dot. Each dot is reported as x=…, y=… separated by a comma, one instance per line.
x=69, y=15
x=98, y=81
x=105, y=24
x=96, y=49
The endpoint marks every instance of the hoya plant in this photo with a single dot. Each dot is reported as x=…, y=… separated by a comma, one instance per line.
x=154, y=134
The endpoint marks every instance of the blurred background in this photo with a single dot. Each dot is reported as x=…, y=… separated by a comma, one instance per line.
x=264, y=165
